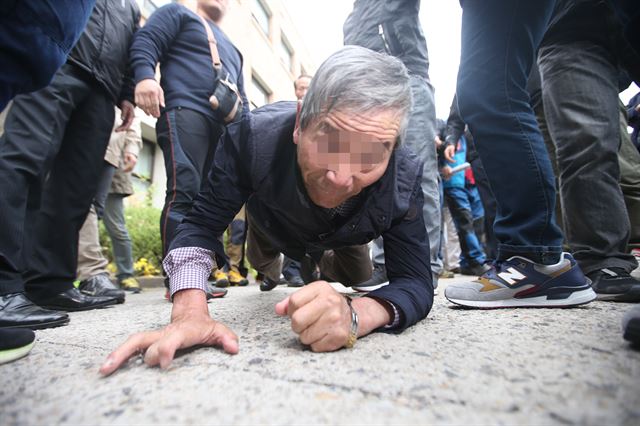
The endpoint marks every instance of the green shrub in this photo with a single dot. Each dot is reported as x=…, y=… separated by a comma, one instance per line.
x=143, y=223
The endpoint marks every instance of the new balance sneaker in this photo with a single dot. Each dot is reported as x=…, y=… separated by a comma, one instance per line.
x=236, y=278
x=378, y=279
x=520, y=283
x=15, y=343
x=221, y=278
x=130, y=284
x=615, y=285
x=631, y=325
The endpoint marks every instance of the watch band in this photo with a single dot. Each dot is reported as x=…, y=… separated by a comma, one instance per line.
x=353, y=333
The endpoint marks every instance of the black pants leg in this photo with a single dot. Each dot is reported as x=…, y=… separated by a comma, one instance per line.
x=188, y=140
x=34, y=130
x=68, y=192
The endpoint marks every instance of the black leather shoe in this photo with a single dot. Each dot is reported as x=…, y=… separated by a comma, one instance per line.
x=101, y=285
x=73, y=300
x=295, y=281
x=18, y=311
x=268, y=284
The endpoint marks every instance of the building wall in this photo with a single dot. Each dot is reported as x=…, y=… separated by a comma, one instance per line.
x=263, y=68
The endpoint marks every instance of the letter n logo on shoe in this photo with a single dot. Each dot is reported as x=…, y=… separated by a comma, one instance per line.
x=511, y=276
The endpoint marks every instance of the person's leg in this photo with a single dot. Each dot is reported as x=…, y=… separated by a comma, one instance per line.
x=349, y=266
x=629, y=161
x=499, y=38
x=472, y=257
x=188, y=140
x=91, y=260
x=67, y=196
x=114, y=222
x=420, y=138
x=489, y=207
x=264, y=258
x=579, y=91
x=452, y=246
x=235, y=248
x=33, y=131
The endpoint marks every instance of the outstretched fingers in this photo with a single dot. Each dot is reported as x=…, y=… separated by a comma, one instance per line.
x=136, y=344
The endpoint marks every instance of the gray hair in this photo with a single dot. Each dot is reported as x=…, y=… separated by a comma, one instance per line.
x=360, y=80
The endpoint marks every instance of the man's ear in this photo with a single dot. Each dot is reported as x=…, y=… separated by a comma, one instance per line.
x=296, y=128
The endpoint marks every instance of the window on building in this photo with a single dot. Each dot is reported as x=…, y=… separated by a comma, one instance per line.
x=143, y=172
x=261, y=15
x=150, y=6
x=286, y=53
x=259, y=94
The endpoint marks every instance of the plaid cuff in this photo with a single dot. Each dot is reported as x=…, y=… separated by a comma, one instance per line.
x=188, y=267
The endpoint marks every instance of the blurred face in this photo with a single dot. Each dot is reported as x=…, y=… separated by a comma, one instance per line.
x=214, y=9
x=302, y=84
x=342, y=153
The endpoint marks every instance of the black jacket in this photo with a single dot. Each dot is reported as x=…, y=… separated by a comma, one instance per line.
x=103, y=47
x=255, y=163
x=391, y=26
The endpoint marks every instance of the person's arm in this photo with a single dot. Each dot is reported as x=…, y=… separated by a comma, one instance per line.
x=406, y=251
x=149, y=45
x=189, y=263
x=455, y=125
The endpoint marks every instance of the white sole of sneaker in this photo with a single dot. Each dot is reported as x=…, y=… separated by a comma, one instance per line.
x=17, y=353
x=575, y=299
x=368, y=289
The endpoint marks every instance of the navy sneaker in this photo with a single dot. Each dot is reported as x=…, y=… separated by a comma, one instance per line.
x=520, y=283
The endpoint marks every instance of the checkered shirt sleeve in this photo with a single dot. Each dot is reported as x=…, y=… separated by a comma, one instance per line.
x=396, y=317
x=188, y=267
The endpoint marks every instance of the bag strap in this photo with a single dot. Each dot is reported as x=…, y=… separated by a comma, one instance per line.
x=213, y=45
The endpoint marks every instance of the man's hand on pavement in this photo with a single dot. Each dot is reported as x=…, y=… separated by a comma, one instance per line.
x=149, y=97
x=190, y=325
x=319, y=315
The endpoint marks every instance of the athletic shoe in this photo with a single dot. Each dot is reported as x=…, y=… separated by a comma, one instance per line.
x=631, y=325
x=636, y=272
x=221, y=278
x=615, y=285
x=130, y=284
x=235, y=278
x=101, y=286
x=15, y=343
x=378, y=279
x=520, y=283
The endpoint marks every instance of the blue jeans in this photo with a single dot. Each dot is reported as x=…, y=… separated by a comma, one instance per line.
x=459, y=204
x=115, y=224
x=499, y=39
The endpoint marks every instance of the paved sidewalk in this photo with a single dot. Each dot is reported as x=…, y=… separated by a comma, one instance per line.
x=567, y=366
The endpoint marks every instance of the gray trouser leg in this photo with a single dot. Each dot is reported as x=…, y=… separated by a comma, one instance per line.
x=629, y=160
x=579, y=91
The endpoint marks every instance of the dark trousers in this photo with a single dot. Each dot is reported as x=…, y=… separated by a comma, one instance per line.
x=50, y=162
x=499, y=39
x=188, y=140
x=581, y=107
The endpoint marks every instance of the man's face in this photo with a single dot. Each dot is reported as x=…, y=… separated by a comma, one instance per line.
x=302, y=84
x=342, y=153
x=215, y=9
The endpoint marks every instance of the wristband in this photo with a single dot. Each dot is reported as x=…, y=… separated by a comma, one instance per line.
x=353, y=333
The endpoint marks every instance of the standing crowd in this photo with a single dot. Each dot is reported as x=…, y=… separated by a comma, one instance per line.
x=531, y=187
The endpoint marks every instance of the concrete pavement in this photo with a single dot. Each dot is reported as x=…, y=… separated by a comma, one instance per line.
x=542, y=366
